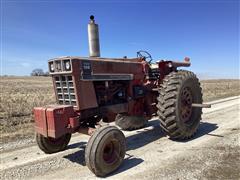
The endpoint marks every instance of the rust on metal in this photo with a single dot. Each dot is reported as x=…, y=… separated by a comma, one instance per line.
x=91, y=91
x=186, y=101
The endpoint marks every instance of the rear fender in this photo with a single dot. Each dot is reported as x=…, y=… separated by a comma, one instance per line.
x=165, y=67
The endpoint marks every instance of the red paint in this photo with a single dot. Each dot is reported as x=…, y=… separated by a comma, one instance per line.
x=55, y=121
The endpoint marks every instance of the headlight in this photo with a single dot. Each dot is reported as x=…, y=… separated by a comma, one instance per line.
x=51, y=67
x=170, y=65
x=67, y=65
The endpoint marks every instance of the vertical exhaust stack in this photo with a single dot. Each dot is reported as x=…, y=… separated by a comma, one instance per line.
x=93, y=38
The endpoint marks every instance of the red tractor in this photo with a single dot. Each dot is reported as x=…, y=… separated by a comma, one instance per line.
x=92, y=90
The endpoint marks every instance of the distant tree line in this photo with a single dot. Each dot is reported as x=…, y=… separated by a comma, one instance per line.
x=39, y=72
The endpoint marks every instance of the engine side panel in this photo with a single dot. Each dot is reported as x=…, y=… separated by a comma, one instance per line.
x=86, y=97
x=93, y=83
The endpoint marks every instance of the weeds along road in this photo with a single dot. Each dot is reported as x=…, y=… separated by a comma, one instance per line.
x=214, y=153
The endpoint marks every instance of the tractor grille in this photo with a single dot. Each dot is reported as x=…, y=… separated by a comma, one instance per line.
x=65, y=90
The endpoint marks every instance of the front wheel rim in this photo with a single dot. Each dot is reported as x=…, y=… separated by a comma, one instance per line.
x=111, y=152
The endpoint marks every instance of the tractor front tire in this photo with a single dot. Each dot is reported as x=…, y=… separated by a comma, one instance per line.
x=51, y=145
x=126, y=122
x=176, y=94
x=105, y=150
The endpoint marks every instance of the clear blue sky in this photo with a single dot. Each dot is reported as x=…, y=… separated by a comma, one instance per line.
x=207, y=31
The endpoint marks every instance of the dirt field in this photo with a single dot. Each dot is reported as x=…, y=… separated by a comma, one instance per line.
x=19, y=95
x=213, y=153
x=217, y=89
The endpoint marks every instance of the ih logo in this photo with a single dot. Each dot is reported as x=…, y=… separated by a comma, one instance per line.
x=59, y=112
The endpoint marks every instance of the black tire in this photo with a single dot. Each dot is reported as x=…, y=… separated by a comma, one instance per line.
x=52, y=145
x=129, y=123
x=105, y=150
x=176, y=94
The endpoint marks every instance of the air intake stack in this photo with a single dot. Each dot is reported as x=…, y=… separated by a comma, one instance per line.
x=93, y=38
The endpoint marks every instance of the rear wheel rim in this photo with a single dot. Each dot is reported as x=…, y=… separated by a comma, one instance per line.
x=186, y=105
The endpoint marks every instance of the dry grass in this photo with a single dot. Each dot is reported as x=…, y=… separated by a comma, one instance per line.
x=19, y=95
x=217, y=89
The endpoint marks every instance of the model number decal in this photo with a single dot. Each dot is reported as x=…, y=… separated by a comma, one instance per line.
x=86, y=68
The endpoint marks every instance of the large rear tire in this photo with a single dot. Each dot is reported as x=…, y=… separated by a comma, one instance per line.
x=176, y=94
x=52, y=145
x=126, y=122
x=105, y=150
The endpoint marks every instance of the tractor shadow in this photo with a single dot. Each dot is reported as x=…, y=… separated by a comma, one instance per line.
x=204, y=128
x=77, y=157
x=128, y=163
x=145, y=136
x=141, y=138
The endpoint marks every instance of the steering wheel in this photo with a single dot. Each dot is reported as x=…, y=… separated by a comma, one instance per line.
x=146, y=55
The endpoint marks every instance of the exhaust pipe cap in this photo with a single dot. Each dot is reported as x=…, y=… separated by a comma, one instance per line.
x=92, y=17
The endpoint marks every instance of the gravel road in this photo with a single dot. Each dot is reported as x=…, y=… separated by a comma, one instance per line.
x=214, y=153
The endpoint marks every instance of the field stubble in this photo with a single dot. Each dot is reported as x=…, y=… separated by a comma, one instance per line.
x=19, y=95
